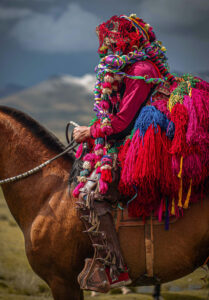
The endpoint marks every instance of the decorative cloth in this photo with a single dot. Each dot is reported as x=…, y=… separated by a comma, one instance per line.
x=166, y=159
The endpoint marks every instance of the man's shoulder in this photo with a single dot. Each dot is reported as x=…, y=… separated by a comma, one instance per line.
x=142, y=68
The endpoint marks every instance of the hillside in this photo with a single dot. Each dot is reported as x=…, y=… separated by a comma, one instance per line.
x=56, y=101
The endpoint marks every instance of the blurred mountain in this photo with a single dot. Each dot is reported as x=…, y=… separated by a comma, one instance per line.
x=10, y=89
x=56, y=101
x=59, y=99
x=204, y=75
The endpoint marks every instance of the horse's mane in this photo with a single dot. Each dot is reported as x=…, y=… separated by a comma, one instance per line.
x=39, y=131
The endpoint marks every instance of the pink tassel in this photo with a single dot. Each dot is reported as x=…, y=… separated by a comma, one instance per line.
x=98, y=170
x=106, y=85
x=107, y=130
x=161, y=105
x=76, y=191
x=91, y=157
x=103, y=186
x=104, y=105
x=179, y=116
x=79, y=151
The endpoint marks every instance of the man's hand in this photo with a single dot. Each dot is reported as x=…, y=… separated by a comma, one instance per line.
x=81, y=133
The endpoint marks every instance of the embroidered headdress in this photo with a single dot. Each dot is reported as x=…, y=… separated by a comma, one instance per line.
x=123, y=34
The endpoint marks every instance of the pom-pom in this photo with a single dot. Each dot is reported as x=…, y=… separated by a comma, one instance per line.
x=109, y=78
x=106, y=126
x=106, y=85
x=104, y=105
x=76, y=191
x=89, y=161
x=82, y=179
x=99, y=152
x=87, y=165
x=107, y=91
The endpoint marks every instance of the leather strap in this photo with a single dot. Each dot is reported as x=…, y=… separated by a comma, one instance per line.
x=149, y=247
x=123, y=220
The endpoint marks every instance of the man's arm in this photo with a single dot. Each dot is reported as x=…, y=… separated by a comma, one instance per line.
x=136, y=93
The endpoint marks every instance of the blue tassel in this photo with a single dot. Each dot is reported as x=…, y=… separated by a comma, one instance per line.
x=151, y=115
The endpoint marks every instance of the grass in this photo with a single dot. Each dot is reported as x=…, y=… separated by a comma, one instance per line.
x=19, y=282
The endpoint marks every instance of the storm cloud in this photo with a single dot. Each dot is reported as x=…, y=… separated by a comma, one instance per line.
x=69, y=31
x=57, y=34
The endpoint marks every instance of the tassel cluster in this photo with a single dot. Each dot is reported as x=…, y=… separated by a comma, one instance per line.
x=166, y=159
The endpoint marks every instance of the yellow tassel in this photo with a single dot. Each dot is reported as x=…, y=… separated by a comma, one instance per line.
x=173, y=207
x=163, y=49
x=181, y=165
x=180, y=194
x=186, y=203
x=98, y=164
x=133, y=16
x=102, y=48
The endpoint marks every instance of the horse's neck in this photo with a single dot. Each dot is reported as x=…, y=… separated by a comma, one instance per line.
x=20, y=151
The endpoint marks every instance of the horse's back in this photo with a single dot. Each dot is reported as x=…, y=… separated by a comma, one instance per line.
x=177, y=251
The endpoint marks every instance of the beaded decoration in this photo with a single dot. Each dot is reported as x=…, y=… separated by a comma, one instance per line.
x=123, y=41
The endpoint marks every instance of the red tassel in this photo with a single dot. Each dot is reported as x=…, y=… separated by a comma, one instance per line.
x=106, y=175
x=179, y=116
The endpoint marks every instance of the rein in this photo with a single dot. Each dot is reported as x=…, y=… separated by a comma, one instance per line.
x=70, y=147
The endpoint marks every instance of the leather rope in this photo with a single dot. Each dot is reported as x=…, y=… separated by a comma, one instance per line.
x=71, y=146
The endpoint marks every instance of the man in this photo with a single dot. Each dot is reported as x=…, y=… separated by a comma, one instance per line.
x=132, y=65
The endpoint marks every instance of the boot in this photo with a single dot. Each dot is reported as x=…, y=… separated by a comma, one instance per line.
x=107, y=269
x=93, y=277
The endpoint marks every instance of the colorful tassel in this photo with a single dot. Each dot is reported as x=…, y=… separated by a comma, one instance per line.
x=103, y=186
x=186, y=203
x=173, y=207
x=106, y=174
x=181, y=166
x=180, y=193
x=76, y=191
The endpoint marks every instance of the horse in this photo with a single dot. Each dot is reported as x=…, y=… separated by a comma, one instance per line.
x=44, y=208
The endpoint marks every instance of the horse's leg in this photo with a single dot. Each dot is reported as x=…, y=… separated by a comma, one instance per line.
x=156, y=293
x=65, y=290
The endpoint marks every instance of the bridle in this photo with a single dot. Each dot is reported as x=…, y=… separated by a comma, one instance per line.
x=70, y=147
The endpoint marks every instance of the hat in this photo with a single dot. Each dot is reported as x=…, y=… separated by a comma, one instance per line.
x=124, y=34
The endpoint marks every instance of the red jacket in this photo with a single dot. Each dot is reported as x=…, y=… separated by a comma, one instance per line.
x=136, y=93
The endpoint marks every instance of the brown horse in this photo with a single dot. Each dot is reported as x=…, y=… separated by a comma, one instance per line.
x=44, y=209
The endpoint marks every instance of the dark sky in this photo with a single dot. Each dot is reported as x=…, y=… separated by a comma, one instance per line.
x=40, y=38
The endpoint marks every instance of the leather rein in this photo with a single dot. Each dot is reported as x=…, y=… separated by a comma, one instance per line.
x=70, y=147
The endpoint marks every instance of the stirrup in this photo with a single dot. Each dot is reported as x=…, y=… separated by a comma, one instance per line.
x=93, y=277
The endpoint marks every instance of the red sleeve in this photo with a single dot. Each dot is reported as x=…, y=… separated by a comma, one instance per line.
x=136, y=92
